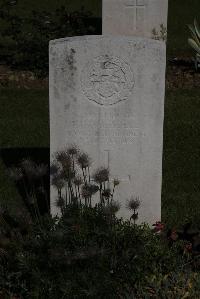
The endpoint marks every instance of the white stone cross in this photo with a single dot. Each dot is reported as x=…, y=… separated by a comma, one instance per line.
x=136, y=5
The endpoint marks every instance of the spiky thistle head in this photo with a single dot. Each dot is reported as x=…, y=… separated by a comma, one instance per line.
x=58, y=182
x=107, y=193
x=60, y=202
x=133, y=203
x=84, y=160
x=116, y=182
x=15, y=173
x=78, y=180
x=112, y=208
x=41, y=170
x=64, y=159
x=54, y=168
x=32, y=170
x=89, y=190
x=73, y=150
x=67, y=174
x=29, y=167
x=101, y=175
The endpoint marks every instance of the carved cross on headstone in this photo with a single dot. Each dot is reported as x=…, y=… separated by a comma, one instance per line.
x=137, y=6
x=107, y=158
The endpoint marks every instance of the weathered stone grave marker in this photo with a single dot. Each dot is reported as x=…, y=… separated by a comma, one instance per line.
x=134, y=17
x=107, y=96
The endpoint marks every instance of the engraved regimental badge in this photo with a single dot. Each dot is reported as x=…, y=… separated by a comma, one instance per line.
x=107, y=80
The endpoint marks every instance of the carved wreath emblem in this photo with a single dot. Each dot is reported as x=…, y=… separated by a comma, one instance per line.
x=107, y=80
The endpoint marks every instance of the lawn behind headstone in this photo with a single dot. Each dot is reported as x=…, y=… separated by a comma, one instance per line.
x=27, y=125
x=181, y=159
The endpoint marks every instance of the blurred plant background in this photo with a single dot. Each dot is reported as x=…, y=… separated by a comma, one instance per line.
x=24, y=38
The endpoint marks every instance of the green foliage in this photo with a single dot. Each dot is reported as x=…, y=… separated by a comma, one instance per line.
x=180, y=13
x=24, y=121
x=83, y=255
x=24, y=39
x=160, y=34
x=194, y=41
x=88, y=252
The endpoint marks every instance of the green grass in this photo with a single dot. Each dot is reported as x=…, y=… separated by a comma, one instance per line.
x=24, y=118
x=94, y=6
x=24, y=123
x=181, y=157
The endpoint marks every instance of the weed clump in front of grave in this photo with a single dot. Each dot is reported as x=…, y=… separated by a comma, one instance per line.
x=75, y=184
x=30, y=178
x=133, y=205
x=88, y=251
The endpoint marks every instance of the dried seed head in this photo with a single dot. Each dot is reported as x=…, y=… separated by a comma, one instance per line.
x=60, y=202
x=67, y=174
x=64, y=158
x=93, y=188
x=112, y=208
x=73, y=150
x=106, y=193
x=85, y=192
x=116, y=182
x=101, y=175
x=89, y=190
x=15, y=173
x=41, y=170
x=29, y=167
x=54, y=168
x=57, y=182
x=78, y=180
x=84, y=160
x=133, y=203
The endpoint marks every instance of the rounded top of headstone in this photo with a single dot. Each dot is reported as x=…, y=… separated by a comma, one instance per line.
x=136, y=39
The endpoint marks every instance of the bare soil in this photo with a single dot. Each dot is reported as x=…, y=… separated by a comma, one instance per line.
x=180, y=74
x=20, y=79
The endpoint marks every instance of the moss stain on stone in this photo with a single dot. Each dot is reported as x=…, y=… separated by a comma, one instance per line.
x=71, y=61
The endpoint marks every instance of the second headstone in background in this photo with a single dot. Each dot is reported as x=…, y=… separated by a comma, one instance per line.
x=144, y=18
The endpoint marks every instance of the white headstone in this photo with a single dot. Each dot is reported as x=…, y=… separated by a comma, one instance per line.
x=134, y=17
x=107, y=96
